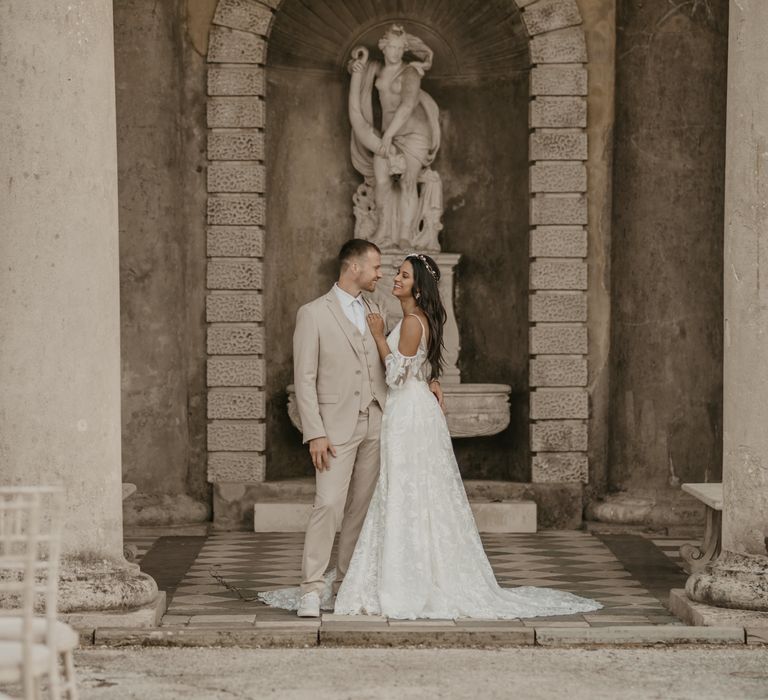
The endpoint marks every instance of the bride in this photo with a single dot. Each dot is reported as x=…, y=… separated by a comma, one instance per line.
x=419, y=554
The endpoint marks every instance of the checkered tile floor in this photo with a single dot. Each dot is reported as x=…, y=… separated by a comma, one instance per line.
x=230, y=568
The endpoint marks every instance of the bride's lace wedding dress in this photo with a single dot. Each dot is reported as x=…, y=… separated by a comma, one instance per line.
x=419, y=554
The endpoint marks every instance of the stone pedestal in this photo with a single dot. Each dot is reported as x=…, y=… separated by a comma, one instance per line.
x=739, y=578
x=60, y=314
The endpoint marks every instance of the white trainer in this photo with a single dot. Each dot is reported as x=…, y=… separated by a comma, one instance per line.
x=309, y=605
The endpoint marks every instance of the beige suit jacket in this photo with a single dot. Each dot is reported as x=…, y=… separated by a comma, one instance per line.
x=329, y=368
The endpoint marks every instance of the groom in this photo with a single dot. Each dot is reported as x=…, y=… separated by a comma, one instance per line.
x=340, y=393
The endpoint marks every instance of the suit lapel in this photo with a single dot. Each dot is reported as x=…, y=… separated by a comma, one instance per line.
x=344, y=323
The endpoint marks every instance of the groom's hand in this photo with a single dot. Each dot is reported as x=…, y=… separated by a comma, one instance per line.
x=321, y=450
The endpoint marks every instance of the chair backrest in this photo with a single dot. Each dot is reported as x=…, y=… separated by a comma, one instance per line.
x=19, y=530
x=40, y=528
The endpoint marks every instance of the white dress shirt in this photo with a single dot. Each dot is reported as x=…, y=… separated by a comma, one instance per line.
x=352, y=307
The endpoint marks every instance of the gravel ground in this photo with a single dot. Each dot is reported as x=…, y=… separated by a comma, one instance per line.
x=315, y=674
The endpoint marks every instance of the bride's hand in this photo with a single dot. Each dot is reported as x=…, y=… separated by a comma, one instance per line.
x=436, y=389
x=376, y=324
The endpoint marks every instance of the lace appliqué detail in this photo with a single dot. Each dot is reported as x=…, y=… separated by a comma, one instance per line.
x=400, y=367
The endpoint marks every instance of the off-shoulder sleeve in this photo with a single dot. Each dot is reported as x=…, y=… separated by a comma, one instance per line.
x=399, y=367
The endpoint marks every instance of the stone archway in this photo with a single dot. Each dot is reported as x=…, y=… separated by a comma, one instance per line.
x=235, y=247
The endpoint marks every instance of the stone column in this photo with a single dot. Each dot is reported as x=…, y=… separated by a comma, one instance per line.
x=739, y=578
x=59, y=285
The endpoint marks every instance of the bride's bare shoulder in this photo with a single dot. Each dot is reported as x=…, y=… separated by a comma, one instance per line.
x=410, y=335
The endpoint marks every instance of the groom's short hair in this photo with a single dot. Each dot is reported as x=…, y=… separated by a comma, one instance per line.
x=355, y=248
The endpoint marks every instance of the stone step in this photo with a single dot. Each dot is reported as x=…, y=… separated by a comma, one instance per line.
x=291, y=515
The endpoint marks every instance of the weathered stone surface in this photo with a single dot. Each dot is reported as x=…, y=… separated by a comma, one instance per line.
x=559, y=436
x=558, y=339
x=234, y=307
x=155, y=510
x=235, y=339
x=562, y=46
x=230, y=144
x=558, y=241
x=236, y=436
x=702, y=615
x=558, y=144
x=235, y=371
x=249, y=637
x=227, y=45
x=734, y=579
x=557, y=307
x=559, y=79
x=558, y=371
x=549, y=15
x=235, y=176
x=558, y=209
x=236, y=210
x=235, y=112
x=554, y=404
x=235, y=242
x=523, y=3
x=235, y=404
x=638, y=635
x=560, y=466
x=558, y=112
x=241, y=79
x=234, y=273
x=248, y=15
x=556, y=273
x=558, y=176
x=238, y=467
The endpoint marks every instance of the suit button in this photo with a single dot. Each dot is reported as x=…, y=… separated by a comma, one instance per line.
x=358, y=372
x=357, y=393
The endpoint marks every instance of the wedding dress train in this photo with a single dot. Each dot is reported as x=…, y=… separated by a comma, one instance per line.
x=419, y=554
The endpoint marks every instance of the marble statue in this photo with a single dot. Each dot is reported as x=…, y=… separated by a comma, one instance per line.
x=400, y=203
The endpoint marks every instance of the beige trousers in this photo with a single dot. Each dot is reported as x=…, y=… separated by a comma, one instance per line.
x=342, y=495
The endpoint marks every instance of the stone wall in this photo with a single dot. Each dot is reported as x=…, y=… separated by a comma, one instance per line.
x=161, y=156
x=666, y=343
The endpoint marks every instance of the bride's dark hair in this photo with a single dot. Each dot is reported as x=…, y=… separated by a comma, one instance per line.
x=426, y=275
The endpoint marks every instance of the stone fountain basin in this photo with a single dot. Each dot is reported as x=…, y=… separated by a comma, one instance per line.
x=471, y=410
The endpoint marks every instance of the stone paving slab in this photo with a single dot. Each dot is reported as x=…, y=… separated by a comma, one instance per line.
x=432, y=636
x=639, y=635
x=757, y=635
x=206, y=636
x=313, y=633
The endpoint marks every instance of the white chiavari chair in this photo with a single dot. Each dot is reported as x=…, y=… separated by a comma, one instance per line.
x=59, y=639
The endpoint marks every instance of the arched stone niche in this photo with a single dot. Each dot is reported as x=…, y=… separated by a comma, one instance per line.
x=550, y=41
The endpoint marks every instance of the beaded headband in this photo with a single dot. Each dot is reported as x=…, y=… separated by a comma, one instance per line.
x=426, y=264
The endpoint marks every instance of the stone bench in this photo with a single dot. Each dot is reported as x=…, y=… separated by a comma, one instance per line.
x=696, y=557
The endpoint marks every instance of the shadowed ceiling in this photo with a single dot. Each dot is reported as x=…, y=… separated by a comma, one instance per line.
x=469, y=37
